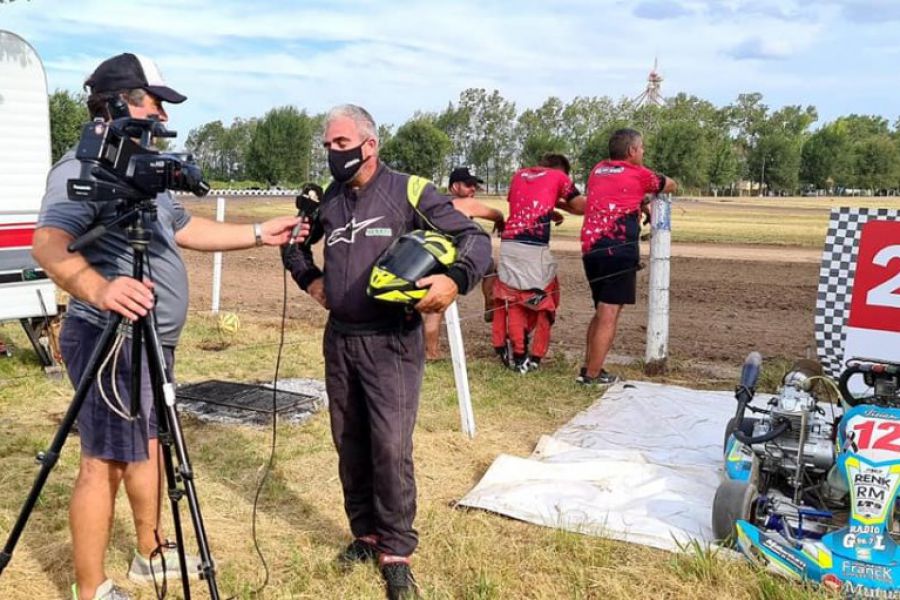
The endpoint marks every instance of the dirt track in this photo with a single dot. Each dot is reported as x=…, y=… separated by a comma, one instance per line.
x=739, y=252
x=725, y=301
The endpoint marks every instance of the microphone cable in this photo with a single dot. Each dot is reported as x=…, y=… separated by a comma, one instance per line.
x=267, y=469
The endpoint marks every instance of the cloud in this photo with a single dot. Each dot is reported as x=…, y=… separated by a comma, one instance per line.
x=759, y=9
x=756, y=48
x=660, y=10
x=871, y=11
x=231, y=61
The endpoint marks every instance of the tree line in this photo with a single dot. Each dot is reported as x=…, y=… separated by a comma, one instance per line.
x=745, y=146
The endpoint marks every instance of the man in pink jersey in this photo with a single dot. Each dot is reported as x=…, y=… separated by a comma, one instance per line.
x=609, y=242
x=526, y=265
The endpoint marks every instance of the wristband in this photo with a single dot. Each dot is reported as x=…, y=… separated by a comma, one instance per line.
x=257, y=233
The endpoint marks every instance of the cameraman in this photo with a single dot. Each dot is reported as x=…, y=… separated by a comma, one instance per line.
x=374, y=355
x=114, y=450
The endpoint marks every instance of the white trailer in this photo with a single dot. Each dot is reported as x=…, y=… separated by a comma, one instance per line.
x=26, y=294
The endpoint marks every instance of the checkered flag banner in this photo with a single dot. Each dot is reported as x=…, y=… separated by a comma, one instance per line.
x=836, y=277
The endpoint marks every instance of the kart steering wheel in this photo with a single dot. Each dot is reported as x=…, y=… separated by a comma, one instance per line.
x=871, y=371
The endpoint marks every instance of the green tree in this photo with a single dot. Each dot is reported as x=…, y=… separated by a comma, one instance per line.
x=222, y=152
x=680, y=150
x=540, y=131
x=280, y=150
x=597, y=147
x=777, y=157
x=746, y=117
x=826, y=160
x=385, y=133
x=537, y=145
x=773, y=156
x=206, y=143
x=876, y=163
x=454, y=122
x=858, y=127
x=418, y=147
x=237, y=147
x=318, y=161
x=724, y=163
x=582, y=118
x=545, y=121
x=489, y=133
x=68, y=114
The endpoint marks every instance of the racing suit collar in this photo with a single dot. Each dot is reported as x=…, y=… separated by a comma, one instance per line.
x=379, y=170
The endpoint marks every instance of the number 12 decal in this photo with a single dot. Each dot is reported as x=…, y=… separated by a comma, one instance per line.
x=885, y=441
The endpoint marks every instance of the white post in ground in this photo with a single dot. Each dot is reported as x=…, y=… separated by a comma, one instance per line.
x=217, y=260
x=660, y=253
x=458, y=354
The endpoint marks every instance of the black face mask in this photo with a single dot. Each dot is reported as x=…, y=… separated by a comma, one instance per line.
x=344, y=164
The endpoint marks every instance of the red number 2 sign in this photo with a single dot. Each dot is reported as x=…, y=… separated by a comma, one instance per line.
x=876, y=288
x=873, y=326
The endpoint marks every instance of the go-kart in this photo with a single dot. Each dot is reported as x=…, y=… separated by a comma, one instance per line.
x=809, y=489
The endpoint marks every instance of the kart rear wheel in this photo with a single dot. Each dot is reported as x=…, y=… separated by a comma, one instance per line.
x=734, y=500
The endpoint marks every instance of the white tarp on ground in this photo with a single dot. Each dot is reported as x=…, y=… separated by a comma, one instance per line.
x=640, y=465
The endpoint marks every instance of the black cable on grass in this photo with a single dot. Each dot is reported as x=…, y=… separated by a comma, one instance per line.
x=271, y=461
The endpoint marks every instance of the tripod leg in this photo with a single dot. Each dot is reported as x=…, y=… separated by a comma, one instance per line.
x=49, y=458
x=175, y=494
x=169, y=416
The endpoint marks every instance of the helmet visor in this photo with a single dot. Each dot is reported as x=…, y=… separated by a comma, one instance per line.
x=408, y=260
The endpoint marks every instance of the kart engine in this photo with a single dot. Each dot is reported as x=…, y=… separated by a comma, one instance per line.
x=807, y=443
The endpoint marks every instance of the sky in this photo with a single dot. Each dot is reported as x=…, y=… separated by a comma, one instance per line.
x=240, y=59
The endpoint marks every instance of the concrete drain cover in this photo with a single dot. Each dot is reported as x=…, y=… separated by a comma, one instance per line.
x=233, y=402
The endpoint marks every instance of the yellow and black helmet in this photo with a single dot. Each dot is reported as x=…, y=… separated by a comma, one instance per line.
x=411, y=257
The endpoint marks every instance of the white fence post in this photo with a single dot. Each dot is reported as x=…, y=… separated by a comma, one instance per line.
x=217, y=260
x=657, y=352
x=458, y=354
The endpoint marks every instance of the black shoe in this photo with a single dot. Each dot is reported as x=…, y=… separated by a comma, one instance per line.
x=520, y=364
x=399, y=581
x=503, y=354
x=534, y=363
x=603, y=378
x=358, y=551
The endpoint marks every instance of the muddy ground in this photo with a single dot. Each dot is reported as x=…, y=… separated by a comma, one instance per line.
x=725, y=301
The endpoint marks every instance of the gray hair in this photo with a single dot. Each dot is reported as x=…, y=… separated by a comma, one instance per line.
x=98, y=103
x=364, y=121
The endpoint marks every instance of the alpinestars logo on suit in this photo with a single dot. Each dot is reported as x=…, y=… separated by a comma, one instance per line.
x=347, y=233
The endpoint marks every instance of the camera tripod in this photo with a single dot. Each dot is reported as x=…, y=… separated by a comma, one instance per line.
x=144, y=335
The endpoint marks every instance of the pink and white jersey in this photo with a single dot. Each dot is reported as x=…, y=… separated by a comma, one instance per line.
x=615, y=190
x=532, y=196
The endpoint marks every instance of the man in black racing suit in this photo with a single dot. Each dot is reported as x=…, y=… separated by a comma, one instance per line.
x=374, y=355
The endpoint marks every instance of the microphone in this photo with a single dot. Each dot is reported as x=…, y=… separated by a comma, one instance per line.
x=307, y=204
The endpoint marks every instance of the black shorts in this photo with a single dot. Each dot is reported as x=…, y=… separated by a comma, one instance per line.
x=613, y=279
x=103, y=433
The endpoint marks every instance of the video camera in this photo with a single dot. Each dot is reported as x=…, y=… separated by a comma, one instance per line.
x=116, y=167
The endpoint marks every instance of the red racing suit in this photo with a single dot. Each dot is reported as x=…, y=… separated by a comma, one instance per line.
x=521, y=314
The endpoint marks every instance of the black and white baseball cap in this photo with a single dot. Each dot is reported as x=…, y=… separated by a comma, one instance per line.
x=131, y=71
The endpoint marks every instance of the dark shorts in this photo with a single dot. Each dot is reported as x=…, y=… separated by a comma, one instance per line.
x=613, y=279
x=103, y=433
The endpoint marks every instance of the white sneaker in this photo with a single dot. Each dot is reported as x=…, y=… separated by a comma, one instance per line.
x=106, y=591
x=144, y=571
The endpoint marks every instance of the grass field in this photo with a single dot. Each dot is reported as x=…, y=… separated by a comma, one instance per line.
x=463, y=554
